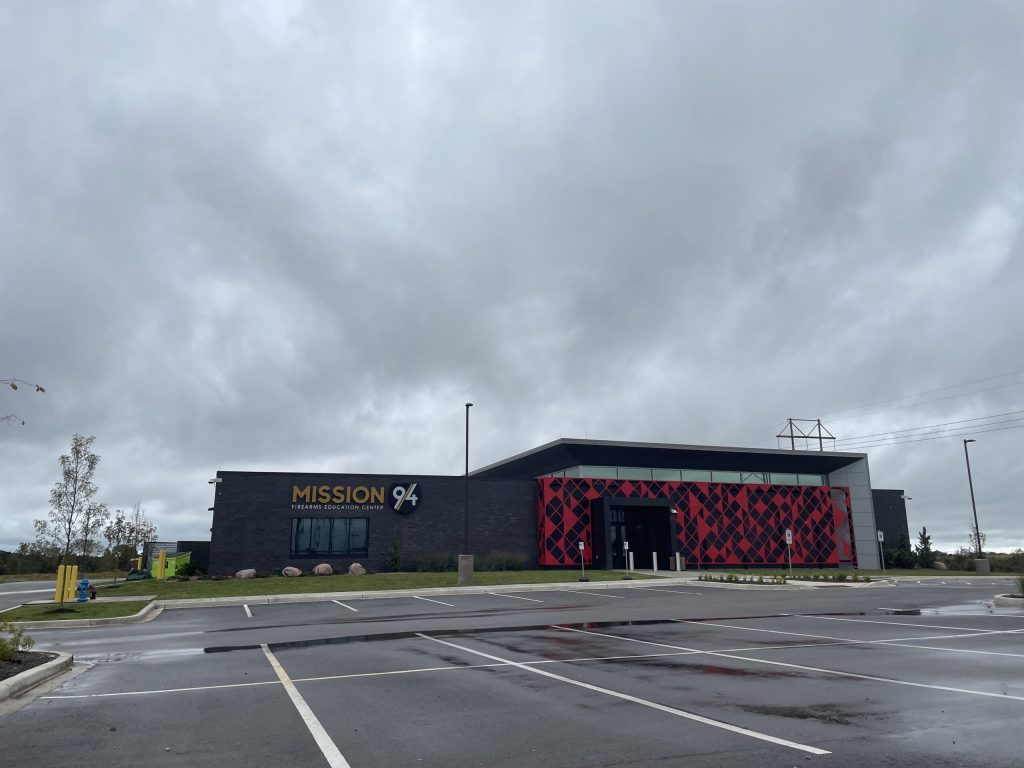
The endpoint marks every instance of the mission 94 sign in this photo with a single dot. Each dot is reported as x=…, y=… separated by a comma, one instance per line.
x=404, y=497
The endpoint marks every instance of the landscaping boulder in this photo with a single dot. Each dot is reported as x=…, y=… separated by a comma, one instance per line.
x=356, y=569
x=939, y=566
x=291, y=570
x=247, y=573
x=324, y=569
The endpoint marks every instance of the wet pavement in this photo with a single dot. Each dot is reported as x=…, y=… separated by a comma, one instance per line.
x=884, y=675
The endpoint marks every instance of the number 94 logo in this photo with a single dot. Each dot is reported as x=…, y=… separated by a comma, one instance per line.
x=403, y=498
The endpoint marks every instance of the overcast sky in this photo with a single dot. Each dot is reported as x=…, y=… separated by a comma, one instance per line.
x=299, y=236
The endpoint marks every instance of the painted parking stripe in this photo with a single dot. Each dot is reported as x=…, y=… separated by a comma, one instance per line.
x=595, y=594
x=247, y=611
x=516, y=597
x=330, y=750
x=893, y=623
x=896, y=642
x=837, y=672
x=431, y=600
x=674, y=591
x=345, y=606
x=637, y=700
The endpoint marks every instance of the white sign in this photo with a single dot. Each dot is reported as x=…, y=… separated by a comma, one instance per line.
x=789, y=536
x=581, y=546
x=881, y=537
x=625, y=545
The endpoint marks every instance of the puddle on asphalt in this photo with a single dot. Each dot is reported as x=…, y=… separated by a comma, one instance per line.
x=590, y=625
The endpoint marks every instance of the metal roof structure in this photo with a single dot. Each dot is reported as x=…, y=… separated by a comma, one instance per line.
x=571, y=452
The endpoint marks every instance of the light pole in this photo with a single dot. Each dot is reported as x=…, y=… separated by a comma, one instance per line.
x=974, y=507
x=465, y=533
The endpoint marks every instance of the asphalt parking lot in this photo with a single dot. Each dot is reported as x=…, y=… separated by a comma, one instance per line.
x=647, y=675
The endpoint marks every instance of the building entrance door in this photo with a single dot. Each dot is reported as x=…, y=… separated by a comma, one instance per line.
x=618, y=537
x=647, y=529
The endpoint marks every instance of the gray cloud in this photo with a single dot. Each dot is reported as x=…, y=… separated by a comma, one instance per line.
x=300, y=236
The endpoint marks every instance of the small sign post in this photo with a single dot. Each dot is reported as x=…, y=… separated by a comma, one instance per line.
x=881, y=552
x=583, y=568
x=789, y=550
x=629, y=561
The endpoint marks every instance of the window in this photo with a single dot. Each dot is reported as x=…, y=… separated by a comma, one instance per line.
x=811, y=480
x=312, y=536
x=635, y=473
x=603, y=472
x=725, y=477
x=665, y=474
x=697, y=475
x=779, y=478
x=752, y=477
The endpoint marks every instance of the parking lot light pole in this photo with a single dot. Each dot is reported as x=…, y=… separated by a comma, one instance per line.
x=970, y=483
x=465, y=530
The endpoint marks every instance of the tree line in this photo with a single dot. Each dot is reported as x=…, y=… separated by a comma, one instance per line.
x=77, y=526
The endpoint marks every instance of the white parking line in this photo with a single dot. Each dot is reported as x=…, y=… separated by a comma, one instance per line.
x=893, y=623
x=431, y=600
x=247, y=611
x=637, y=700
x=836, y=672
x=330, y=750
x=595, y=594
x=897, y=642
x=345, y=606
x=675, y=591
x=516, y=597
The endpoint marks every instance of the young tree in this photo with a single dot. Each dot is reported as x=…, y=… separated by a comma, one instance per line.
x=140, y=528
x=977, y=546
x=923, y=549
x=71, y=496
x=118, y=535
x=10, y=418
x=904, y=557
x=93, y=517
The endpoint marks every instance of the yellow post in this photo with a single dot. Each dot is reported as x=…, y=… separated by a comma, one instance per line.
x=162, y=566
x=60, y=584
x=70, y=584
x=138, y=567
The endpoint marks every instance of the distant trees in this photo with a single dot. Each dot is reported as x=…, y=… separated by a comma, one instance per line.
x=127, y=533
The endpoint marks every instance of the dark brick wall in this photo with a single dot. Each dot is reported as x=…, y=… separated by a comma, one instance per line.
x=890, y=515
x=252, y=518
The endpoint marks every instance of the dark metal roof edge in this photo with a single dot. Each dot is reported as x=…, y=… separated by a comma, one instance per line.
x=665, y=446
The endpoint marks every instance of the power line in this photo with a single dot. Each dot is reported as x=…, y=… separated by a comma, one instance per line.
x=940, y=437
x=903, y=397
x=930, y=426
x=968, y=431
x=926, y=402
x=926, y=392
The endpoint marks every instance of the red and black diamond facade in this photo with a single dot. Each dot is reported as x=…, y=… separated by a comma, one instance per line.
x=716, y=524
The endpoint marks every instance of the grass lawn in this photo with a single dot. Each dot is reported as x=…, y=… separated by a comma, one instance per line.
x=94, y=609
x=279, y=585
x=10, y=577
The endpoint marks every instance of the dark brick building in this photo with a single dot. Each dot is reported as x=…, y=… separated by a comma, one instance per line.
x=714, y=506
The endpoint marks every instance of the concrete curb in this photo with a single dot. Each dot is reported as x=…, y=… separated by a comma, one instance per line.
x=148, y=613
x=15, y=686
x=1008, y=602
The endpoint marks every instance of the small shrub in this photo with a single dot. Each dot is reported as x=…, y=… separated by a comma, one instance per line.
x=1018, y=582
x=18, y=641
x=395, y=560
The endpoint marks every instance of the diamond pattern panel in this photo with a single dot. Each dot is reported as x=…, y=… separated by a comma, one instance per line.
x=721, y=524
